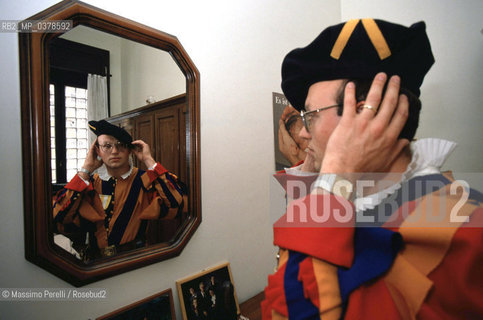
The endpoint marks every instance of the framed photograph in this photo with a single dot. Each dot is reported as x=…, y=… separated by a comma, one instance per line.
x=159, y=306
x=209, y=294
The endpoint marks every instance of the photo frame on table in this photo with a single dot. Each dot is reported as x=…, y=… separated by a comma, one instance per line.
x=159, y=306
x=210, y=293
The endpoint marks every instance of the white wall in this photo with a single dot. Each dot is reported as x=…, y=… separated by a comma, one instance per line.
x=238, y=47
x=106, y=41
x=148, y=71
x=452, y=92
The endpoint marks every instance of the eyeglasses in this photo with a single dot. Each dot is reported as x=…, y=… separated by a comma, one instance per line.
x=307, y=115
x=107, y=147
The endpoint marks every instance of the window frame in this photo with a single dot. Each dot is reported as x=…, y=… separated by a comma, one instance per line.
x=70, y=64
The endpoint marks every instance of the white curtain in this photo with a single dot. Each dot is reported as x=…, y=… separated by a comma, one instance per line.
x=96, y=99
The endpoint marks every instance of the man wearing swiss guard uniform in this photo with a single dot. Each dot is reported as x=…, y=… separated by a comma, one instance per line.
x=113, y=207
x=408, y=243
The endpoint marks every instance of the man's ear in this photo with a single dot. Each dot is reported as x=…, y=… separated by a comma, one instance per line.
x=97, y=148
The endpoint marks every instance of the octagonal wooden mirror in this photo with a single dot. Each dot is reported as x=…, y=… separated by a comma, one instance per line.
x=151, y=88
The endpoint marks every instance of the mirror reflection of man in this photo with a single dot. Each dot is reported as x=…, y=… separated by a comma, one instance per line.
x=109, y=210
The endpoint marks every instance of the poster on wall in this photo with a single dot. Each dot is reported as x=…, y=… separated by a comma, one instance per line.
x=287, y=123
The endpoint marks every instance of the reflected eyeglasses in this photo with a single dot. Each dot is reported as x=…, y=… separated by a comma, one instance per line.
x=107, y=147
x=307, y=115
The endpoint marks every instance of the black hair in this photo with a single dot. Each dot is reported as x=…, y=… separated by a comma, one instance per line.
x=362, y=89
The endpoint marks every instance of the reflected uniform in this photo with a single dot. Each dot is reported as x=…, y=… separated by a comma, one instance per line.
x=115, y=211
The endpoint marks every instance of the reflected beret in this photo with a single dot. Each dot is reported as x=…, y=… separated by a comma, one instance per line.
x=358, y=48
x=104, y=127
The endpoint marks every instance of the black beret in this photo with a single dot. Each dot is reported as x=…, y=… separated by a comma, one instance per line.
x=104, y=127
x=358, y=49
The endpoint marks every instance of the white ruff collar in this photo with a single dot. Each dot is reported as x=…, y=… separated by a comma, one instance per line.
x=105, y=176
x=428, y=156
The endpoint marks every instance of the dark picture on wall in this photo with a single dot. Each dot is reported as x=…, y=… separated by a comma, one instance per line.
x=159, y=306
x=290, y=148
x=209, y=294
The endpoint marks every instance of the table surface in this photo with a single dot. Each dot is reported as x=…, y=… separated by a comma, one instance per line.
x=251, y=307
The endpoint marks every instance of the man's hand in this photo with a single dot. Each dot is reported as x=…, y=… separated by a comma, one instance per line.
x=286, y=144
x=365, y=141
x=143, y=153
x=92, y=161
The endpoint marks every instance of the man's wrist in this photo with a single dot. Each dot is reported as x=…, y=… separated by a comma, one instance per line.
x=153, y=167
x=84, y=170
x=89, y=167
x=340, y=168
x=83, y=175
x=344, y=172
x=335, y=184
x=149, y=163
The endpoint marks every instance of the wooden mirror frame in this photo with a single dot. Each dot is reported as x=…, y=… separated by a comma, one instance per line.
x=34, y=74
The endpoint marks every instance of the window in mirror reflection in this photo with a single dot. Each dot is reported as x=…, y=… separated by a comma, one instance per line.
x=76, y=130
x=52, y=132
x=78, y=92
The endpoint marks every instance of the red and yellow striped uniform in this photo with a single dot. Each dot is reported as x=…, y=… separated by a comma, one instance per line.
x=117, y=211
x=409, y=267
